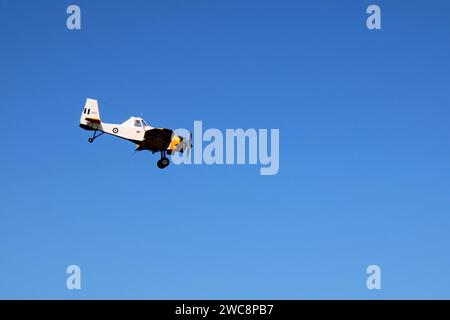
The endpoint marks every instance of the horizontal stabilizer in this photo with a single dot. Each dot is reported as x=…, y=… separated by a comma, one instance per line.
x=93, y=120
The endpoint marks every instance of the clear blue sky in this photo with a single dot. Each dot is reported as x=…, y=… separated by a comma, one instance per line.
x=364, y=163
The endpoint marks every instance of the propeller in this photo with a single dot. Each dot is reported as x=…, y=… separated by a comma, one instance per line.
x=188, y=145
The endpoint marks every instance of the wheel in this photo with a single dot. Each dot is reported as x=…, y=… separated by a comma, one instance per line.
x=165, y=162
x=91, y=140
x=160, y=164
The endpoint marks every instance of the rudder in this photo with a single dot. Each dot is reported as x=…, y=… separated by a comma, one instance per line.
x=90, y=113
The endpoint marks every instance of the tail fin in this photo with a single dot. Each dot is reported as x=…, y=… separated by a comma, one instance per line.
x=90, y=113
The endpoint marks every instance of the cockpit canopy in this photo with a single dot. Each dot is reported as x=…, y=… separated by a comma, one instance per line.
x=139, y=123
x=136, y=122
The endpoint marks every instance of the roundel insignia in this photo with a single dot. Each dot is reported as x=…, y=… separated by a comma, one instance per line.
x=115, y=130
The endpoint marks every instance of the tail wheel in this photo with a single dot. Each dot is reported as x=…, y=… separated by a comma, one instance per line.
x=91, y=140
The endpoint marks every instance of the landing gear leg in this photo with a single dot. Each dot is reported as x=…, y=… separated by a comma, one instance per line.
x=164, y=161
x=95, y=136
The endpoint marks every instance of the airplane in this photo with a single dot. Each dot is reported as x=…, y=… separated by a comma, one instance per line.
x=136, y=130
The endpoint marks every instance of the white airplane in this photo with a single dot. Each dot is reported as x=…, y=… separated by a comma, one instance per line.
x=137, y=131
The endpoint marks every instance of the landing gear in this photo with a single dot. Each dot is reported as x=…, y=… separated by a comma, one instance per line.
x=163, y=162
x=95, y=136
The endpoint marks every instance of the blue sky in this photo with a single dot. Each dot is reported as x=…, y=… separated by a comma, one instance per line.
x=364, y=150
